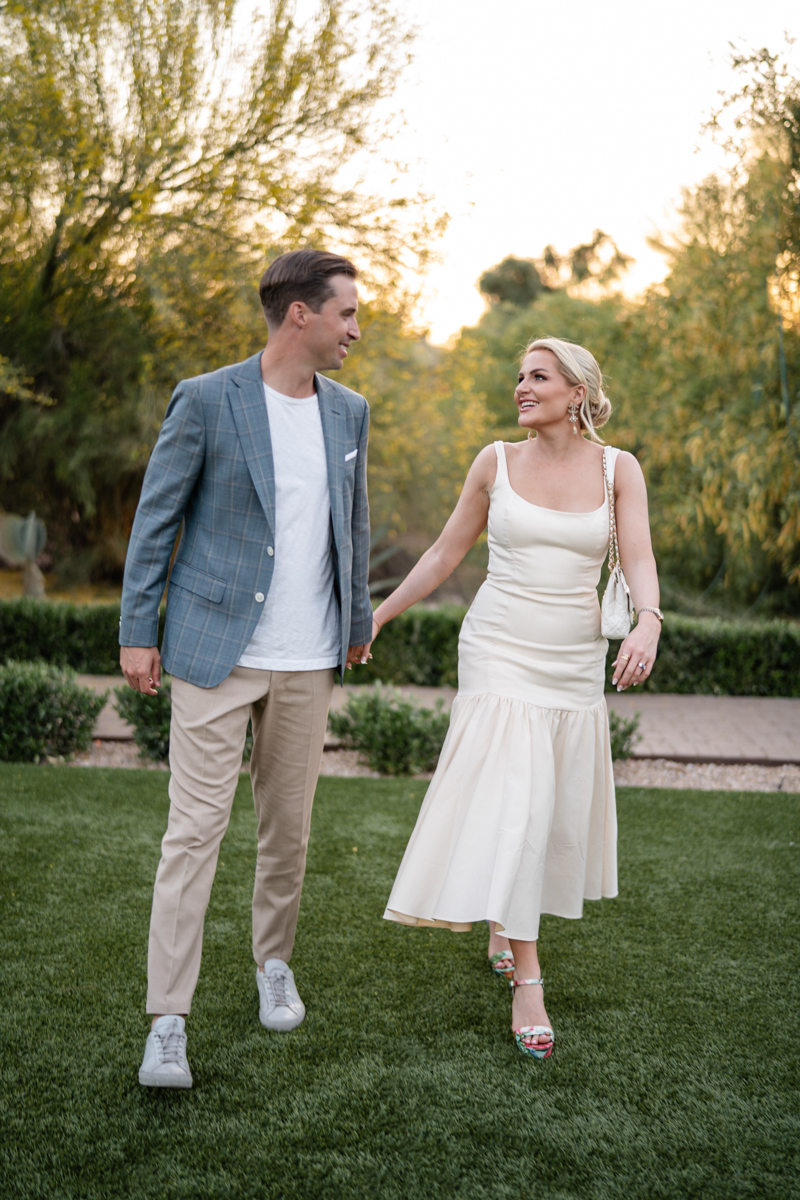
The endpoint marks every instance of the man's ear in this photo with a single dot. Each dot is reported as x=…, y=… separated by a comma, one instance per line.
x=297, y=313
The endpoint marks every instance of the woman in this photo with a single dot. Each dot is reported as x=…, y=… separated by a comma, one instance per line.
x=520, y=816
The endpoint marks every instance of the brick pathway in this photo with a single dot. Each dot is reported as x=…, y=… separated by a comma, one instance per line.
x=702, y=729
x=723, y=729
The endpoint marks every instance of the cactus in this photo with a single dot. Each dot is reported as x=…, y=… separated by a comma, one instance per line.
x=22, y=540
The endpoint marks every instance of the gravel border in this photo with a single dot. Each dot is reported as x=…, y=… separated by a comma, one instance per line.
x=642, y=773
x=707, y=777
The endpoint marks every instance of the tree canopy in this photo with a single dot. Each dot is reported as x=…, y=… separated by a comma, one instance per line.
x=591, y=267
x=704, y=369
x=154, y=154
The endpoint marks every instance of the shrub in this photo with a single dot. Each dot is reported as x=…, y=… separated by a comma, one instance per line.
x=396, y=736
x=150, y=717
x=710, y=657
x=697, y=654
x=420, y=647
x=44, y=712
x=82, y=636
x=624, y=735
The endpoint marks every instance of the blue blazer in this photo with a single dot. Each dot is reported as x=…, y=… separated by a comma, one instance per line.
x=212, y=468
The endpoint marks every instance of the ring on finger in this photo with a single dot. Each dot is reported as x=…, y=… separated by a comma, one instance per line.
x=642, y=666
x=625, y=656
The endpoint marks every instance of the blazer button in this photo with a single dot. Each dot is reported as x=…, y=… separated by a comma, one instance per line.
x=260, y=597
x=270, y=551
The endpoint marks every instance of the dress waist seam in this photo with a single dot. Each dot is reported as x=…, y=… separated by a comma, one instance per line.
x=528, y=703
x=521, y=589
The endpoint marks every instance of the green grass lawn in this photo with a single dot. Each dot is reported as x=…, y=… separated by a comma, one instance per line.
x=675, y=1007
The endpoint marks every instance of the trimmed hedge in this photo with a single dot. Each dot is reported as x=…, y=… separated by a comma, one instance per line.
x=697, y=655
x=44, y=712
x=82, y=636
x=709, y=657
x=420, y=647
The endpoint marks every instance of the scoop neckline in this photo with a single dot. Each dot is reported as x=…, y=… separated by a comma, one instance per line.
x=561, y=512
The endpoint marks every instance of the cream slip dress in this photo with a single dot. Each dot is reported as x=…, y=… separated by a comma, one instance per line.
x=520, y=816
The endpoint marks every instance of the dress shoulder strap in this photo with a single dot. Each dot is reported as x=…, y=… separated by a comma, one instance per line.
x=502, y=465
x=610, y=456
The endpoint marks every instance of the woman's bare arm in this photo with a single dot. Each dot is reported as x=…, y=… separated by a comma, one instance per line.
x=462, y=530
x=639, y=565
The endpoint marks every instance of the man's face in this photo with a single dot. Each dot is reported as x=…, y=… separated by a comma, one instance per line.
x=334, y=327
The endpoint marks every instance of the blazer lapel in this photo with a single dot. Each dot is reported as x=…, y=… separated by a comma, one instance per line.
x=252, y=424
x=333, y=431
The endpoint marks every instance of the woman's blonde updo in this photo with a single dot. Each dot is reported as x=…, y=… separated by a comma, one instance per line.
x=578, y=365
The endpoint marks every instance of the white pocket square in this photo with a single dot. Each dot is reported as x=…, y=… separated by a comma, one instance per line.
x=352, y=454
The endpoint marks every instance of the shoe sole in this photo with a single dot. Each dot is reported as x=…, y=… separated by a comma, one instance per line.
x=150, y=1079
x=284, y=1027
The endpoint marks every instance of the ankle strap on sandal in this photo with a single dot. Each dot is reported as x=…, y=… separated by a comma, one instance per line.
x=514, y=983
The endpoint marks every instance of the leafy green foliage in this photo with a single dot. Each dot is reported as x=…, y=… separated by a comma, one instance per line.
x=426, y=425
x=624, y=734
x=704, y=369
x=701, y=655
x=592, y=266
x=149, y=716
x=44, y=712
x=420, y=647
x=394, y=735
x=82, y=636
x=711, y=657
x=513, y=281
x=154, y=156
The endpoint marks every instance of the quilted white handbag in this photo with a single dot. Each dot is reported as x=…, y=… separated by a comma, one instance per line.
x=616, y=611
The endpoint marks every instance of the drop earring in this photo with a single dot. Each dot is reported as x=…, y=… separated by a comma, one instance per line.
x=573, y=416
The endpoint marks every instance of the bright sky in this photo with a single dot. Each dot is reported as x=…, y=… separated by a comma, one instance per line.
x=535, y=122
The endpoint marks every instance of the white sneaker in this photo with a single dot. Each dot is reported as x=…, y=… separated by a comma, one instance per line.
x=164, y=1063
x=280, y=1006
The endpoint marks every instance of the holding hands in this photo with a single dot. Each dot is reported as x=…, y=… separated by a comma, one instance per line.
x=358, y=655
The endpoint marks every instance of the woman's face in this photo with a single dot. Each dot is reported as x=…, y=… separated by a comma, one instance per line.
x=543, y=394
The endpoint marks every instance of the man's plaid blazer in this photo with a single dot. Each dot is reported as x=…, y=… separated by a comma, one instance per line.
x=212, y=468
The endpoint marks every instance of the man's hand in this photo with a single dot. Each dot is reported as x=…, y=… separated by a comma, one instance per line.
x=357, y=654
x=141, y=666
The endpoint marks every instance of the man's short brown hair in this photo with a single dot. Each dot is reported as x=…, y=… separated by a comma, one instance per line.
x=300, y=275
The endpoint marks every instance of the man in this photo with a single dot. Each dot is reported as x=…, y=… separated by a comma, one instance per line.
x=265, y=463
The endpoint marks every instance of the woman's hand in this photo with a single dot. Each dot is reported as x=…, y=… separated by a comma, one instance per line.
x=357, y=654
x=637, y=653
x=376, y=628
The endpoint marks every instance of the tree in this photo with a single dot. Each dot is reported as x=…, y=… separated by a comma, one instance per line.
x=427, y=423
x=514, y=281
x=703, y=371
x=719, y=380
x=151, y=161
x=588, y=269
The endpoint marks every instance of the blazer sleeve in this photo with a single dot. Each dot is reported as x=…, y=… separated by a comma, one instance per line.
x=173, y=471
x=361, y=613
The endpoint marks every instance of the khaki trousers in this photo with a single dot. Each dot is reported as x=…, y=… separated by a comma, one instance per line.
x=290, y=713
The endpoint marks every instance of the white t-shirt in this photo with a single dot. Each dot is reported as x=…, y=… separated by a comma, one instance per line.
x=300, y=627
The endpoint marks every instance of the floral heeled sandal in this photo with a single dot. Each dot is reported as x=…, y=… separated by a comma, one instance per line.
x=503, y=964
x=538, y=1049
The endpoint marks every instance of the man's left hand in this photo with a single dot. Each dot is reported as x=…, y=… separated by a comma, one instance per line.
x=358, y=655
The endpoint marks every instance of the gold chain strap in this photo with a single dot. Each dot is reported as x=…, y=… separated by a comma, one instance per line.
x=613, y=549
